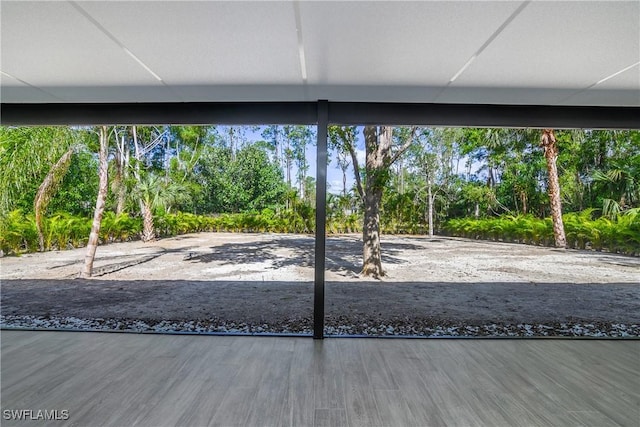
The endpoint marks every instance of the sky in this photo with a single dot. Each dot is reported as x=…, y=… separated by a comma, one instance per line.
x=334, y=173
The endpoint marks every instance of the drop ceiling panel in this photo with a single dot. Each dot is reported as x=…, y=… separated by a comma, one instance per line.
x=379, y=51
x=50, y=44
x=564, y=45
x=395, y=43
x=195, y=43
x=629, y=79
x=503, y=95
x=143, y=93
x=242, y=93
x=623, y=89
x=12, y=90
x=372, y=93
x=599, y=97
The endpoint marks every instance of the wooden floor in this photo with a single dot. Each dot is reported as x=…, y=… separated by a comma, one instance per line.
x=157, y=380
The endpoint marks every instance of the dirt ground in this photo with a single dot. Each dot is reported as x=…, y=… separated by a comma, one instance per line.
x=268, y=278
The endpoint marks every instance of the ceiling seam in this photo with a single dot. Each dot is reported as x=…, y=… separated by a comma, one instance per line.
x=486, y=44
x=579, y=91
x=301, y=53
x=31, y=86
x=114, y=39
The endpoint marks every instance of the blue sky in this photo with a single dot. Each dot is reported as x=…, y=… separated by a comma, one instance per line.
x=334, y=173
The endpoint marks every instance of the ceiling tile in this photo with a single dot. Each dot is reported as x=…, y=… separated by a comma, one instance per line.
x=215, y=43
x=241, y=93
x=623, y=89
x=605, y=97
x=18, y=92
x=502, y=95
x=144, y=93
x=372, y=93
x=629, y=79
x=375, y=51
x=552, y=45
x=50, y=44
x=395, y=43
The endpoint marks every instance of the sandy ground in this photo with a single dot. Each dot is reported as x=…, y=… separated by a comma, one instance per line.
x=268, y=278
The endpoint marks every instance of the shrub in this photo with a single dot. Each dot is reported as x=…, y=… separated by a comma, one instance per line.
x=620, y=236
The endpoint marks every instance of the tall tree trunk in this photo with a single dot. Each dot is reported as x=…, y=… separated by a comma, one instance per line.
x=136, y=173
x=491, y=181
x=430, y=203
x=100, y=200
x=122, y=161
x=47, y=189
x=344, y=182
x=377, y=147
x=550, y=145
x=288, y=162
x=232, y=144
x=122, y=196
x=276, y=144
x=523, y=200
x=379, y=158
x=400, y=177
x=372, y=256
x=148, y=230
x=301, y=185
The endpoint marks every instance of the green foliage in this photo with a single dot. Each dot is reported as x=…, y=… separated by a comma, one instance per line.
x=18, y=233
x=64, y=231
x=621, y=182
x=250, y=182
x=61, y=231
x=79, y=188
x=26, y=156
x=119, y=228
x=583, y=232
x=399, y=214
x=229, y=182
x=157, y=193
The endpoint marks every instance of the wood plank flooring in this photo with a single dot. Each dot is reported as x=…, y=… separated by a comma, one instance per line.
x=104, y=379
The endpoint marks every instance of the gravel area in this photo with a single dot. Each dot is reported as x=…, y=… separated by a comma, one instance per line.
x=262, y=283
x=335, y=328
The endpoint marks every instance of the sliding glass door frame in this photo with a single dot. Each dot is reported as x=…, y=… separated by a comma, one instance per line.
x=322, y=114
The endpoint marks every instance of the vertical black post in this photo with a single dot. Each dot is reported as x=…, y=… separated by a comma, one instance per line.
x=321, y=219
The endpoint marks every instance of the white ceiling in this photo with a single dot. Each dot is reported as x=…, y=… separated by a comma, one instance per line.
x=513, y=52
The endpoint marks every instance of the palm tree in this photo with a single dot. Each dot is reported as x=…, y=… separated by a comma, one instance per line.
x=103, y=187
x=550, y=146
x=26, y=156
x=621, y=180
x=154, y=192
x=48, y=188
x=122, y=164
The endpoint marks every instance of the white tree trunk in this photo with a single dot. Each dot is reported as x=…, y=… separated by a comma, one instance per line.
x=122, y=163
x=430, y=197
